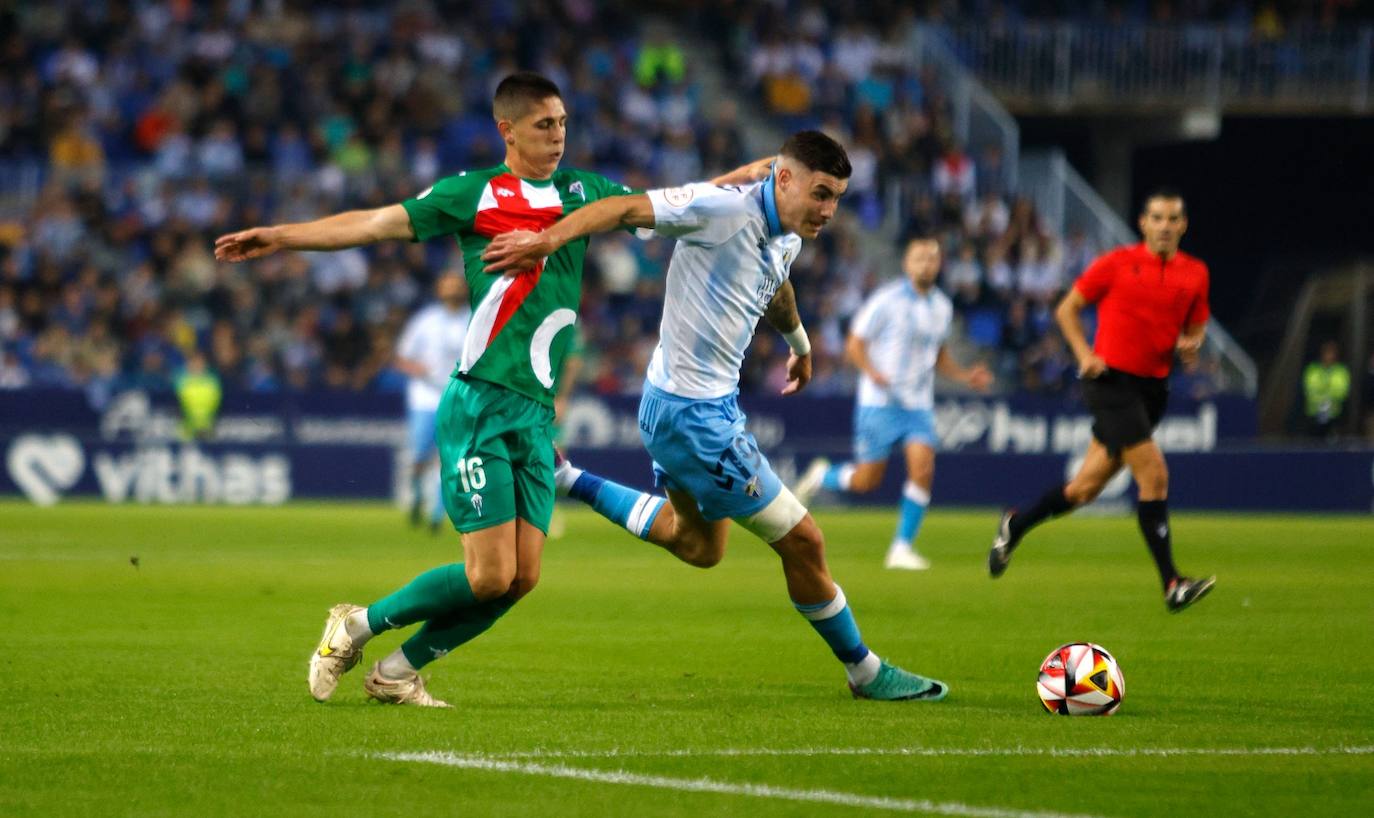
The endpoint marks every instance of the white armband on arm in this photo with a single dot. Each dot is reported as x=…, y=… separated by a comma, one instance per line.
x=797, y=340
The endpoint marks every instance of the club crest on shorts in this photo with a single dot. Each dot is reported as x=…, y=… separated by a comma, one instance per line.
x=751, y=487
x=477, y=504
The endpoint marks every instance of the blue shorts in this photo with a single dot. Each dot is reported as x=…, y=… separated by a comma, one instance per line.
x=420, y=425
x=878, y=428
x=701, y=447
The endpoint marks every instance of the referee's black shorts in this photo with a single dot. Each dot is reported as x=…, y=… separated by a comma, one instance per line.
x=1126, y=408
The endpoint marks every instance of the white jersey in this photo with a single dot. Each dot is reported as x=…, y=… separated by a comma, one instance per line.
x=902, y=332
x=731, y=257
x=434, y=338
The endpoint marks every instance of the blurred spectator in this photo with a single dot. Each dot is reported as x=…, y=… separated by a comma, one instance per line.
x=198, y=392
x=1325, y=386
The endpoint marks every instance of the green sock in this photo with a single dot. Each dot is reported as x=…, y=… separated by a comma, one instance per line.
x=447, y=631
x=439, y=591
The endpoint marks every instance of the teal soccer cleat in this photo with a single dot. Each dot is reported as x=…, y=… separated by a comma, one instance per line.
x=892, y=684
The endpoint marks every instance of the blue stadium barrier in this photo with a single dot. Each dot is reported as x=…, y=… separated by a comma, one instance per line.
x=270, y=449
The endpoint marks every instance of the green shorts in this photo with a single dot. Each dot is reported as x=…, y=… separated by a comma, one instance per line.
x=496, y=452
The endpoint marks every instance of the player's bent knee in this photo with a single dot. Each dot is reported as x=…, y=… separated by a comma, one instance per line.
x=700, y=553
x=776, y=519
x=489, y=583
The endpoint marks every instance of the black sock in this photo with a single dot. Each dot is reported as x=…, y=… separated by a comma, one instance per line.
x=1154, y=524
x=1052, y=504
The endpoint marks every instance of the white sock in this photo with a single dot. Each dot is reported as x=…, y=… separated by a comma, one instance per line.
x=396, y=666
x=863, y=671
x=900, y=545
x=357, y=627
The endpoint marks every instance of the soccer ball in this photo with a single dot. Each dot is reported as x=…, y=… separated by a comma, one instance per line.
x=1080, y=679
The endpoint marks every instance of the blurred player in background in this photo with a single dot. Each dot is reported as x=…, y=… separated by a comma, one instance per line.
x=430, y=345
x=897, y=342
x=1151, y=304
x=730, y=268
x=495, y=421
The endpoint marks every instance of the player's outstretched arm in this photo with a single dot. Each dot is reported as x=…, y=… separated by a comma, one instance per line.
x=755, y=171
x=1071, y=325
x=522, y=250
x=351, y=229
x=782, y=315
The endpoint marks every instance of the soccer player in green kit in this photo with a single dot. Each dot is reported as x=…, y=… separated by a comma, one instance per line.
x=495, y=421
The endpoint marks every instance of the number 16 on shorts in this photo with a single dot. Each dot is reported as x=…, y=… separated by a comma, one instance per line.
x=471, y=474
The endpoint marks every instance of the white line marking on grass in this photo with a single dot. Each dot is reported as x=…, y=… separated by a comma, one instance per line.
x=624, y=777
x=1052, y=752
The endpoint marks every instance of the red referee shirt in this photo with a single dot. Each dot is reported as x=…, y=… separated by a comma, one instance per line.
x=1143, y=303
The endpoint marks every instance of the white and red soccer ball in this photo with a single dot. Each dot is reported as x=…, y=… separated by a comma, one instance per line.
x=1080, y=679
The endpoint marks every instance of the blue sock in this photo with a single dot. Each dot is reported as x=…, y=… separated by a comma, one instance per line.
x=835, y=623
x=633, y=510
x=914, y=502
x=837, y=477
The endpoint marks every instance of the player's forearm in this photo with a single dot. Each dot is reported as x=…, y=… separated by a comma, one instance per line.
x=782, y=312
x=351, y=229
x=1071, y=327
x=413, y=368
x=947, y=367
x=745, y=174
x=857, y=353
x=601, y=216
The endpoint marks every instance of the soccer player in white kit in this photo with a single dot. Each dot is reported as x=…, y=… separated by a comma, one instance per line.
x=897, y=341
x=735, y=247
x=430, y=345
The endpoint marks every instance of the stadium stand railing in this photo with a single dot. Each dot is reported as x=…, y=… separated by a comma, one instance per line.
x=1079, y=66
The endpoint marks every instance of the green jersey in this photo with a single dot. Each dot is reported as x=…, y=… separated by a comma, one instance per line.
x=516, y=338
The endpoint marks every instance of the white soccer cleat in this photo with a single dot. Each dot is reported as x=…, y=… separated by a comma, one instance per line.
x=810, y=483
x=410, y=690
x=336, y=654
x=905, y=559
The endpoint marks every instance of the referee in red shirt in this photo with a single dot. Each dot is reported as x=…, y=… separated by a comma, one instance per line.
x=1151, y=303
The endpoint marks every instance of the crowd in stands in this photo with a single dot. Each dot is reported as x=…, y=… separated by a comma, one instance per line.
x=159, y=126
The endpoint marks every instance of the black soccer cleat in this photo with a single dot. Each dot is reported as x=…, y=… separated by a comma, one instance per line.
x=1002, y=546
x=1183, y=592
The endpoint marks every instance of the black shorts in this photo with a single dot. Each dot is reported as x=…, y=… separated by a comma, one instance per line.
x=1126, y=408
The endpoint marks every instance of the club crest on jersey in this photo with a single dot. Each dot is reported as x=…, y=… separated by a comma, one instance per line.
x=678, y=196
x=576, y=187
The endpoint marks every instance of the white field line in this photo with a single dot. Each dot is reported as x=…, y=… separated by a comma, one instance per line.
x=624, y=777
x=1051, y=752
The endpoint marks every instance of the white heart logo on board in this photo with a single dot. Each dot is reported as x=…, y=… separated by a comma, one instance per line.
x=44, y=466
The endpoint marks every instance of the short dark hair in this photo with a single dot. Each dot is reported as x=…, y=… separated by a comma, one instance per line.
x=1162, y=192
x=520, y=90
x=818, y=152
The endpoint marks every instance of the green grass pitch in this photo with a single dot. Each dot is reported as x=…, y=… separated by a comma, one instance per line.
x=630, y=684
